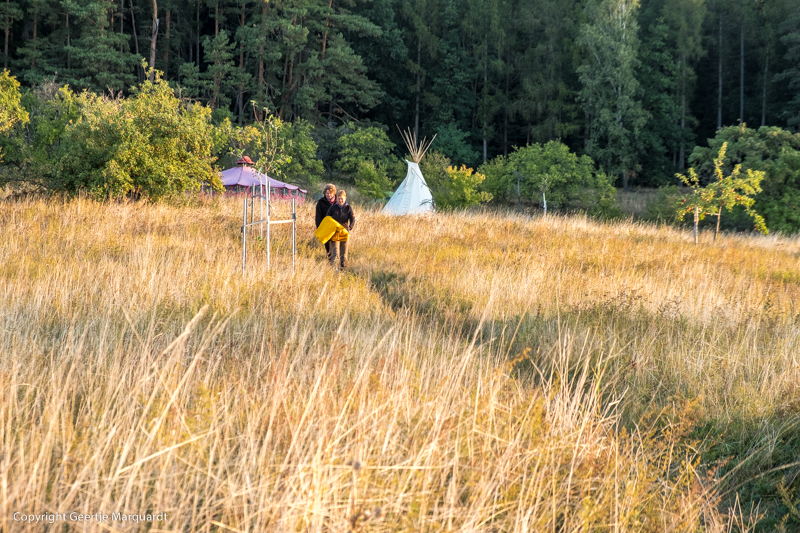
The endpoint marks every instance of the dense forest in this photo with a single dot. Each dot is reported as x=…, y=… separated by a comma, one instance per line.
x=634, y=85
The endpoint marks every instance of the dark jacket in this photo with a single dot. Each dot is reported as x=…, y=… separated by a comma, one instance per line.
x=322, y=209
x=343, y=214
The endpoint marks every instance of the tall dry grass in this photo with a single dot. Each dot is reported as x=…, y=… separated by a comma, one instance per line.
x=470, y=372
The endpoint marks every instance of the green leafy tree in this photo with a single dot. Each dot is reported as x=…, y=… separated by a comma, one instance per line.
x=97, y=57
x=303, y=167
x=500, y=182
x=566, y=180
x=372, y=181
x=610, y=92
x=685, y=18
x=9, y=13
x=659, y=74
x=11, y=110
x=723, y=192
x=772, y=150
x=30, y=150
x=364, y=144
x=147, y=145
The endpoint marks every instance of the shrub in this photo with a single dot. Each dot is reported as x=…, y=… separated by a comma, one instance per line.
x=567, y=181
x=434, y=167
x=371, y=181
x=461, y=189
x=366, y=156
x=148, y=145
x=365, y=144
x=11, y=111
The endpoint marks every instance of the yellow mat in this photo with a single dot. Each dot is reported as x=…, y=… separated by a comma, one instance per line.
x=330, y=230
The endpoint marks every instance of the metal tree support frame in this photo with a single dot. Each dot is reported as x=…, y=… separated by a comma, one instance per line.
x=263, y=200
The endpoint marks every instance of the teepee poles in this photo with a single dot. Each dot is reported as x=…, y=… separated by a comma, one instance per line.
x=416, y=148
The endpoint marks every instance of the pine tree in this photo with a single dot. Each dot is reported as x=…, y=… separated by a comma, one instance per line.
x=9, y=12
x=219, y=57
x=791, y=76
x=547, y=88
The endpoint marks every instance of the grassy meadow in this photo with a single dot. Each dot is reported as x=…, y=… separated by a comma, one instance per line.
x=476, y=371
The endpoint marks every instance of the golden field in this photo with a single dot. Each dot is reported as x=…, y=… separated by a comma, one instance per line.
x=473, y=371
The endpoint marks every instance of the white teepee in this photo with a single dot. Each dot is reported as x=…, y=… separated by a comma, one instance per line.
x=413, y=196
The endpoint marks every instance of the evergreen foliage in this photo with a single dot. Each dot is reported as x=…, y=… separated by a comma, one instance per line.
x=631, y=83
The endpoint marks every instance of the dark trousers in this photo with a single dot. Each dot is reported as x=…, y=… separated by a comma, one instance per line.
x=338, y=251
x=327, y=246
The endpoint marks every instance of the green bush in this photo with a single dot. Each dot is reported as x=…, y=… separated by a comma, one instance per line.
x=568, y=181
x=461, y=189
x=365, y=155
x=147, y=145
x=665, y=205
x=11, y=111
x=371, y=181
x=434, y=169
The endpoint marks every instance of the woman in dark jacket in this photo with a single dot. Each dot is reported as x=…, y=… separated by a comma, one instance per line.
x=342, y=213
x=325, y=203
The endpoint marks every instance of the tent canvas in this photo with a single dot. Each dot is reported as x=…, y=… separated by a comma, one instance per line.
x=245, y=176
x=413, y=196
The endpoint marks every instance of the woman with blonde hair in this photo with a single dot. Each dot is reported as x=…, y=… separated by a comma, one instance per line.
x=342, y=213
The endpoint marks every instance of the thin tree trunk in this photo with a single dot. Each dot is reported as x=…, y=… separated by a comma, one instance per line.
x=240, y=96
x=419, y=88
x=741, y=72
x=716, y=230
x=69, y=55
x=135, y=33
x=485, y=93
x=35, y=24
x=8, y=30
x=505, y=120
x=216, y=19
x=325, y=33
x=696, y=222
x=261, y=90
x=165, y=57
x=719, y=95
x=764, y=94
x=681, y=156
x=153, y=38
x=121, y=23
x=197, y=27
